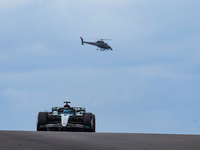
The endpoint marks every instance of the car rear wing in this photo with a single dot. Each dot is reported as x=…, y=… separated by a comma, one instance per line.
x=74, y=108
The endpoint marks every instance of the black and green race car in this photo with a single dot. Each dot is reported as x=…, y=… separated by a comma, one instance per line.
x=66, y=119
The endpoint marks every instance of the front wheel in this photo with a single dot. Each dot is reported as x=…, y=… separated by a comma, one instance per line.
x=41, y=121
x=89, y=120
x=93, y=123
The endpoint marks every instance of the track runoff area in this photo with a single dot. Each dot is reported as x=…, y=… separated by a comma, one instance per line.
x=49, y=140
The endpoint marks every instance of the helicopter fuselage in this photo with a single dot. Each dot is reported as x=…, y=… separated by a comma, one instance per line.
x=101, y=44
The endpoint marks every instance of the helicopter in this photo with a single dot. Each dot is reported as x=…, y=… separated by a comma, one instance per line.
x=100, y=44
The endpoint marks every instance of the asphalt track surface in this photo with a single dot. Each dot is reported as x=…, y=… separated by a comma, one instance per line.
x=31, y=140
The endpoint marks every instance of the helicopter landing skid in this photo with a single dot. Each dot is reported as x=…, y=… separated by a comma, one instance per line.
x=101, y=49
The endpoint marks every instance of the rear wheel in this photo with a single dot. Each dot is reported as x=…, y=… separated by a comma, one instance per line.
x=42, y=120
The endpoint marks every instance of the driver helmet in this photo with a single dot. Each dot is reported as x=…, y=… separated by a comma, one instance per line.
x=67, y=105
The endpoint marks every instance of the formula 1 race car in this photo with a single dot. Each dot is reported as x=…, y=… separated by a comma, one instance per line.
x=66, y=119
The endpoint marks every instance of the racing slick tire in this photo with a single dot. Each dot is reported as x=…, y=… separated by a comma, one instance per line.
x=89, y=120
x=93, y=125
x=42, y=120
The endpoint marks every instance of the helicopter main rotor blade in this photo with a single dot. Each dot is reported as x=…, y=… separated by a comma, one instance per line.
x=97, y=39
x=105, y=39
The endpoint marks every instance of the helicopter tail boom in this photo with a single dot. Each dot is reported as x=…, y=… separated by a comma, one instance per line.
x=82, y=42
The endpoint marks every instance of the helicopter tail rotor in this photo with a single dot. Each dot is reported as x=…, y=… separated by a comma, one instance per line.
x=82, y=42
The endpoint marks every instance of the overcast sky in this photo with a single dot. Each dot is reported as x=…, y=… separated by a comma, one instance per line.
x=149, y=83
